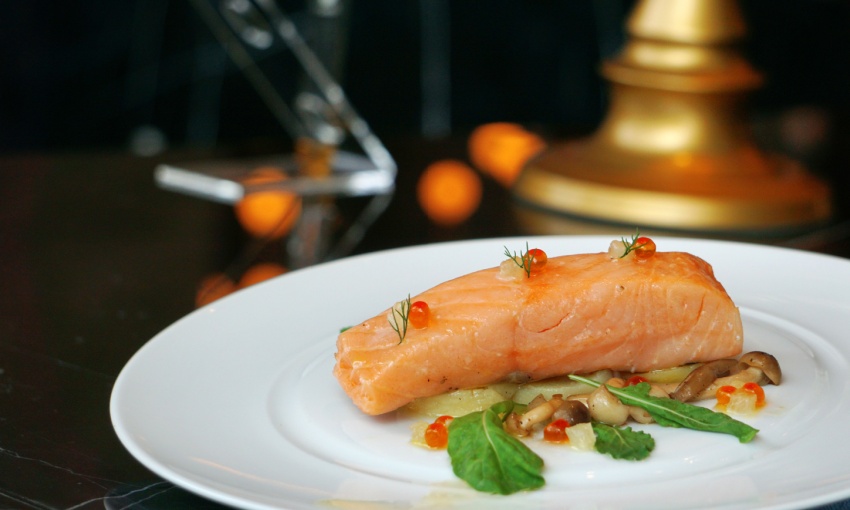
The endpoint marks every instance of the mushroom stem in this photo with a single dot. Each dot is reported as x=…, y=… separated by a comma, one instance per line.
x=701, y=378
x=749, y=374
x=641, y=415
x=542, y=412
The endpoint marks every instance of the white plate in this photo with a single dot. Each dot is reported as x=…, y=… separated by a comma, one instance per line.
x=236, y=401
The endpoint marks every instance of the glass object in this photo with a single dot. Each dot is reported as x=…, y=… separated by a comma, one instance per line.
x=336, y=155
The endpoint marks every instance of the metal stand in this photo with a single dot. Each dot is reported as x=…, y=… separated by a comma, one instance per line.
x=674, y=151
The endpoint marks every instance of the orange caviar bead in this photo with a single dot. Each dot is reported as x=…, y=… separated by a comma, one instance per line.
x=644, y=247
x=635, y=379
x=419, y=315
x=444, y=419
x=724, y=394
x=754, y=388
x=537, y=258
x=556, y=431
x=437, y=433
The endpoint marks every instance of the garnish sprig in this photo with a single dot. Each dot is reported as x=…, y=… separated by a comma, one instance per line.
x=633, y=244
x=399, y=316
x=522, y=260
x=638, y=246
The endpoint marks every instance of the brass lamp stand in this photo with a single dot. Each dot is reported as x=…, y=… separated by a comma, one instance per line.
x=675, y=150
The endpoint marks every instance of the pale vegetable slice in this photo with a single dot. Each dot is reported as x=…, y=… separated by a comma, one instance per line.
x=741, y=403
x=581, y=436
x=563, y=386
x=461, y=402
x=668, y=375
x=417, y=434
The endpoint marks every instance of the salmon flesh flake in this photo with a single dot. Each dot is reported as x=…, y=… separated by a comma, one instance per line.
x=577, y=314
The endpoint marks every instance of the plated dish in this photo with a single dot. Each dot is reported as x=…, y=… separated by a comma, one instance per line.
x=236, y=401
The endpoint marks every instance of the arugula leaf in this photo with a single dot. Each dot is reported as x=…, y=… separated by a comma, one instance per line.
x=622, y=442
x=490, y=459
x=672, y=413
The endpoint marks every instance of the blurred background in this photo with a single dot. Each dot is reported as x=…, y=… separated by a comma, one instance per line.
x=148, y=74
x=97, y=258
x=150, y=79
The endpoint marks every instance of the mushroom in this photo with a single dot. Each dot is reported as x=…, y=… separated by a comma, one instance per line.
x=512, y=426
x=766, y=362
x=701, y=378
x=607, y=408
x=756, y=366
x=641, y=415
x=540, y=412
x=573, y=411
x=738, y=379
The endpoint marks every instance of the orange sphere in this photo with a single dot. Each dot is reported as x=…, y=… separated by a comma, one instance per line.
x=212, y=287
x=259, y=273
x=449, y=191
x=501, y=149
x=268, y=214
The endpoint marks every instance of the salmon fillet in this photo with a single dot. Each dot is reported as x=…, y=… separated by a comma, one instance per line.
x=578, y=314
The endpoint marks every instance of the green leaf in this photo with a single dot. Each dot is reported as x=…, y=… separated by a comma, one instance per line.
x=672, y=413
x=488, y=458
x=622, y=442
x=632, y=245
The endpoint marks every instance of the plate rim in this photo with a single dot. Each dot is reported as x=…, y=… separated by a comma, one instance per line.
x=186, y=482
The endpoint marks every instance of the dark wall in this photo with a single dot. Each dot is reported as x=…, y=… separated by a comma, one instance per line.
x=80, y=75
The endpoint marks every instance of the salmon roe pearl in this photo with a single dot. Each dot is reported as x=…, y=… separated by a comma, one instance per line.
x=538, y=258
x=444, y=419
x=644, y=247
x=556, y=431
x=724, y=394
x=420, y=314
x=437, y=433
x=635, y=379
x=755, y=389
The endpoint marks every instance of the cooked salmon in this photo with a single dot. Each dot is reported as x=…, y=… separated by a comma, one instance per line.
x=577, y=314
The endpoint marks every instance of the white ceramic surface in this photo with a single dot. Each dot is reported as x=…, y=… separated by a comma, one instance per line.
x=236, y=401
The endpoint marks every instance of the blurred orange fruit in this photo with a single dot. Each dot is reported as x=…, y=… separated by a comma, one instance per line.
x=212, y=287
x=267, y=214
x=449, y=191
x=501, y=149
x=260, y=273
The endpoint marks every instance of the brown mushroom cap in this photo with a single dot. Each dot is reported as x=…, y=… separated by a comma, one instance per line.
x=573, y=411
x=766, y=362
x=701, y=378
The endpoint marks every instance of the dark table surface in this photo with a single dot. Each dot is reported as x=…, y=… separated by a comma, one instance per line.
x=96, y=260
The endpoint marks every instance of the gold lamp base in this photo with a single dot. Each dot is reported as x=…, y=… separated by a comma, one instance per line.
x=674, y=151
x=574, y=179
